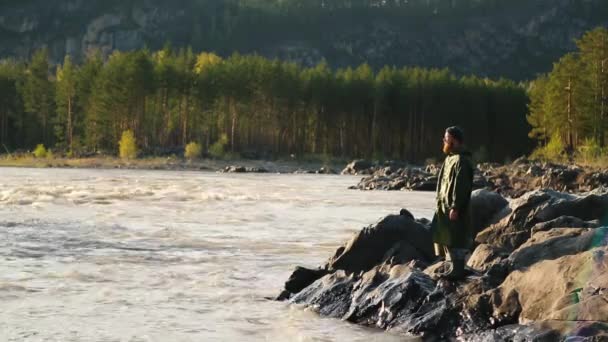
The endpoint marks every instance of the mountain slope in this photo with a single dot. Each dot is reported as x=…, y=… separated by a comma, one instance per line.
x=511, y=38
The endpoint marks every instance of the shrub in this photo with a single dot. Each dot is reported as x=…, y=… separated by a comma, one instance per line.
x=127, y=145
x=218, y=148
x=554, y=150
x=40, y=151
x=50, y=154
x=590, y=150
x=193, y=151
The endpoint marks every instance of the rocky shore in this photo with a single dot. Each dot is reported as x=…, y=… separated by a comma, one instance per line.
x=539, y=272
x=512, y=180
x=172, y=163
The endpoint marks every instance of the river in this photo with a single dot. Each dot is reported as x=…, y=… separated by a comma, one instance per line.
x=119, y=255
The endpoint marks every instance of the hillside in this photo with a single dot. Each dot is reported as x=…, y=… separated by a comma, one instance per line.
x=510, y=38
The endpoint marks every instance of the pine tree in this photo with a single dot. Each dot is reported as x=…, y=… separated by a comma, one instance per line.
x=65, y=97
x=38, y=94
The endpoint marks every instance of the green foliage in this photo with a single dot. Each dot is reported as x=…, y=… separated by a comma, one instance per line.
x=590, y=150
x=554, y=150
x=49, y=154
x=218, y=149
x=250, y=103
x=193, y=151
x=40, y=151
x=37, y=94
x=65, y=98
x=127, y=145
x=568, y=109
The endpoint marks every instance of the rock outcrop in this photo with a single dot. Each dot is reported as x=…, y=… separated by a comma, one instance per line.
x=540, y=273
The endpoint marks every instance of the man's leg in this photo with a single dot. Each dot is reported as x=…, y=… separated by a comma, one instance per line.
x=440, y=250
x=456, y=257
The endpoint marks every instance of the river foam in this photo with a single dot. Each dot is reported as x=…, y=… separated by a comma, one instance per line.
x=115, y=255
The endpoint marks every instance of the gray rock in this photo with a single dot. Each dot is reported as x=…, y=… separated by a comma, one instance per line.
x=396, y=237
x=556, y=243
x=538, y=207
x=356, y=167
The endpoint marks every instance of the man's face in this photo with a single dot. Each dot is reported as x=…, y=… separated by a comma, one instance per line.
x=449, y=143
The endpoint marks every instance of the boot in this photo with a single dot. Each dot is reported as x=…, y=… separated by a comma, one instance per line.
x=456, y=271
x=445, y=268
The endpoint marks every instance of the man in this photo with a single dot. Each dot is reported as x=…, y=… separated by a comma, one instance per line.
x=452, y=225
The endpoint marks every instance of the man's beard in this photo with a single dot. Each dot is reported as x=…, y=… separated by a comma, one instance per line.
x=447, y=148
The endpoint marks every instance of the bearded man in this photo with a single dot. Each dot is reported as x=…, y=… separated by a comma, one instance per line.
x=452, y=226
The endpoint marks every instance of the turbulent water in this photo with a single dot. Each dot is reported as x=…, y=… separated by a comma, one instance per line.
x=91, y=255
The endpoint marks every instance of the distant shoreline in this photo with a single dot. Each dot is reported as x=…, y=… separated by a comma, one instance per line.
x=169, y=164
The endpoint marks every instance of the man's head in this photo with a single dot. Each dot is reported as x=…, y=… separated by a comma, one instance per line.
x=453, y=139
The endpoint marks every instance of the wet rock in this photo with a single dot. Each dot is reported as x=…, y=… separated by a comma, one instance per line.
x=325, y=171
x=300, y=279
x=397, y=237
x=529, y=280
x=243, y=169
x=357, y=167
x=384, y=294
x=330, y=296
x=399, y=298
x=234, y=169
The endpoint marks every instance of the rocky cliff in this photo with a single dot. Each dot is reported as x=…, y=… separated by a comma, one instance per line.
x=516, y=39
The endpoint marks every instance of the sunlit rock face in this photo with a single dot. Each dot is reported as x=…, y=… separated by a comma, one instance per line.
x=517, y=39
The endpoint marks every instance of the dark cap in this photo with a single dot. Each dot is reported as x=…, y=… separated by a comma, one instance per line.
x=456, y=132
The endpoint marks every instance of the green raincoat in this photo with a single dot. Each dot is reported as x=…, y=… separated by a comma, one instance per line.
x=454, y=186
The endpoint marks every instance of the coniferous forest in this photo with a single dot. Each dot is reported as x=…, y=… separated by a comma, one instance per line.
x=568, y=111
x=257, y=106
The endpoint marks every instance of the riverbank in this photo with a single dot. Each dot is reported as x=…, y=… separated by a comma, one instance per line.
x=177, y=164
x=511, y=180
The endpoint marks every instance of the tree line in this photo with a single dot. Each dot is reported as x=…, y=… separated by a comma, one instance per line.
x=568, y=106
x=254, y=105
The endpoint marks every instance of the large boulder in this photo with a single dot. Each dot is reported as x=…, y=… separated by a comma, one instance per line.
x=555, y=243
x=486, y=256
x=300, y=279
x=399, y=238
x=538, y=207
x=396, y=239
x=568, y=288
x=487, y=207
x=401, y=299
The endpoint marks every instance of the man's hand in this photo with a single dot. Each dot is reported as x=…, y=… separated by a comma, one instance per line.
x=453, y=214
